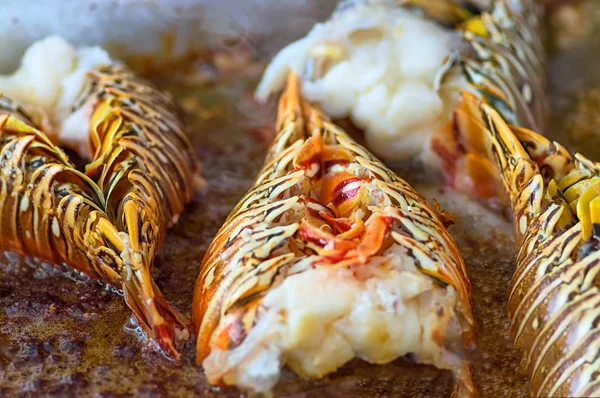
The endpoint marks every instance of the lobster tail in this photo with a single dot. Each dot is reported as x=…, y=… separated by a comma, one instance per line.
x=110, y=219
x=553, y=295
x=397, y=69
x=290, y=279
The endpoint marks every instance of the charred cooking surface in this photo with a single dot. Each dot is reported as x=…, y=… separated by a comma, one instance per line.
x=67, y=335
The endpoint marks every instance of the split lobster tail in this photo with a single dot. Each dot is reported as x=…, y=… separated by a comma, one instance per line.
x=110, y=218
x=328, y=257
x=554, y=296
x=397, y=69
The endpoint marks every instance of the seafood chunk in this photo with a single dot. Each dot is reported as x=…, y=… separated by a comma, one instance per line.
x=49, y=93
x=328, y=257
x=554, y=294
x=398, y=68
x=110, y=218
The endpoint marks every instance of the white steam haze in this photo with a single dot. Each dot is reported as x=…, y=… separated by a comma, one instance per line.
x=164, y=28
